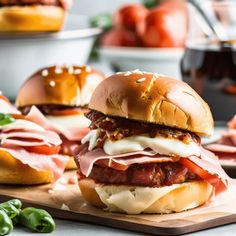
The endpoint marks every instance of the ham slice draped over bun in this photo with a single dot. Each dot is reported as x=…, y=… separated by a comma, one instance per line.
x=143, y=153
x=29, y=152
x=225, y=147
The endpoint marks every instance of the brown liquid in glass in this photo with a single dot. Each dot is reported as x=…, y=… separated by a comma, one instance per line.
x=211, y=71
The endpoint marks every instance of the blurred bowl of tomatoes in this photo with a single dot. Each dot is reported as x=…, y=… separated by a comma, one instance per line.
x=148, y=38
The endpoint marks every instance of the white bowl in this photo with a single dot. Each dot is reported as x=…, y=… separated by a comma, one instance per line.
x=23, y=54
x=160, y=60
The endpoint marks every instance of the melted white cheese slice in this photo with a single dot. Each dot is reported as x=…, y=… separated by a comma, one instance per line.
x=161, y=145
x=70, y=121
x=135, y=200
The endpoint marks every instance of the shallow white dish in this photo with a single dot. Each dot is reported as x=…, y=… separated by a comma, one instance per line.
x=23, y=54
x=158, y=60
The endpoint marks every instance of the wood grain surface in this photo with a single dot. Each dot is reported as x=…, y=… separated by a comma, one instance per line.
x=64, y=201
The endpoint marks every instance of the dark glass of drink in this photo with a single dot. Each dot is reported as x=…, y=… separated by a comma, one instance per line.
x=211, y=70
x=209, y=62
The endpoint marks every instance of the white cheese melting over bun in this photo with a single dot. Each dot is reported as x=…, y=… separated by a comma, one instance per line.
x=161, y=145
x=135, y=199
x=70, y=121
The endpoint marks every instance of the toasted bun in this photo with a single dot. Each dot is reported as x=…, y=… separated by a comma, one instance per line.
x=12, y=171
x=31, y=18
x=153, y=98
x=59, y=85
x=136, y=200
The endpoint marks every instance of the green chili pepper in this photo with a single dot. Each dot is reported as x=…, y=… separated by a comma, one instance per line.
x=6, y=225
x=6, y=119
x=37, y=220
x=12, y=208
x=16, y=203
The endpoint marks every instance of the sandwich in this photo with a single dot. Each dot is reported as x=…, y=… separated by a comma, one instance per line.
x=62, y=94
x=28, y=152
x=143, y=153
x=32, y=15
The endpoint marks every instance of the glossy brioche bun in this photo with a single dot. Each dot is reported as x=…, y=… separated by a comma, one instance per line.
x=59, y=85
x=136, y=200
x=153, y=98
x=31, y=18
x=12, y=171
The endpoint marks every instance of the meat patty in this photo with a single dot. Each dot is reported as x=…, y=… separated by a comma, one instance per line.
x=153, y=175
x=116, y=128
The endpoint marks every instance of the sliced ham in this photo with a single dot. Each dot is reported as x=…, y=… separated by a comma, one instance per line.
x=226, y=145
x=21, y=125
x=73, y=134
x=221, y=148
x=54, y=163
x=26, y=133
x=32, y=138
x=88, y=158
x=7, y=108
x=207, y=161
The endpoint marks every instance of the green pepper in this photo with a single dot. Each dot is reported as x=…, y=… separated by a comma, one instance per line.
x=10, y=209
x=16, y=203
x=6, y=225
x=6, y=119
x=37, y=220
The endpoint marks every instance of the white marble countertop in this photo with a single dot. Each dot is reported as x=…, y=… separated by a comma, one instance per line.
x=76, y=228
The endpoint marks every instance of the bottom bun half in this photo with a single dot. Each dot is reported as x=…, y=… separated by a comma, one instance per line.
x=12, y=171
x=136, y=199
x=31, y=18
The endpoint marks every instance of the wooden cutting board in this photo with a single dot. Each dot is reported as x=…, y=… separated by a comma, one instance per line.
x=64, y=201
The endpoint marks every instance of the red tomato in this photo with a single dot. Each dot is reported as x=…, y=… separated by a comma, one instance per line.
x=212, y=179
x=44, y=149
x=164, y=26
x=129, y=16
x=120, y=37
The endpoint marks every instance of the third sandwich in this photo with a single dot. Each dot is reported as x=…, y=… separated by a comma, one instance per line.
x=62, y=94
x=143, y=153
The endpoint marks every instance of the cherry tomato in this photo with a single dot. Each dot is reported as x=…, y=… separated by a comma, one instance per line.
x=120, y=37
x=164, y=26
x=44, y=149
x=129, y=16
x=210, y=178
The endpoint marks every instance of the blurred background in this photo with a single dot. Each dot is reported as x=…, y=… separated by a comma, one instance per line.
x=192, y=40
